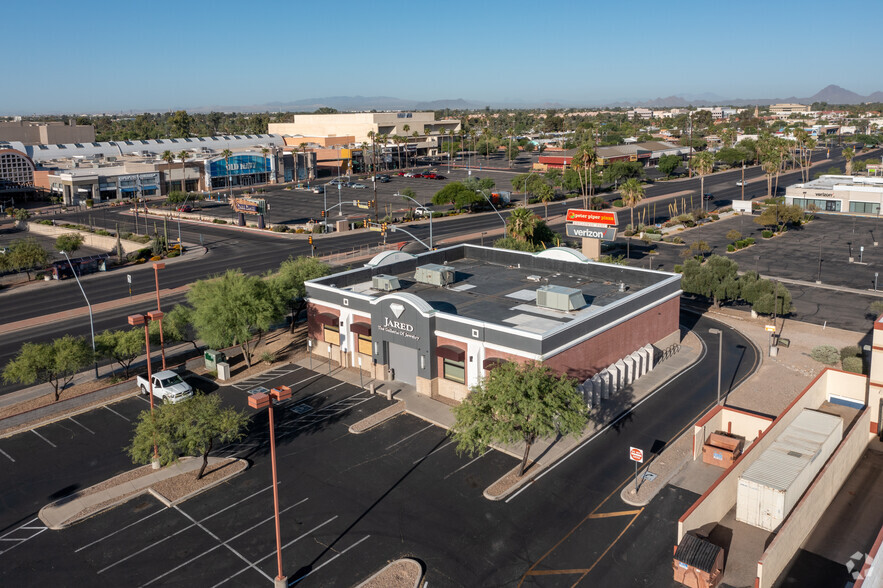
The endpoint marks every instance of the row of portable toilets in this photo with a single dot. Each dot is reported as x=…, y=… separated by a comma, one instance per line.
x=618, y=375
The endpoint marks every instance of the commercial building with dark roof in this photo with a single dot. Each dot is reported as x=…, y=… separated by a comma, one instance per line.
x=441, y=320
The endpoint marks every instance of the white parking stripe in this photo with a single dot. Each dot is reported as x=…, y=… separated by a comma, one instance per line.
x=233, y=551
x=80, y=424
x=317, y=568
x=116, y=413
x=408, y=437
x=432, y=452
x=19, y=539
x=467, y=465
x=237, y=536
x=99, y=540
x=7, y=455
x=273, y=553
x=44, y=438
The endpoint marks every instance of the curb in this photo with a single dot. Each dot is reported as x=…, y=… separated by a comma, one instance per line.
x=379, y=574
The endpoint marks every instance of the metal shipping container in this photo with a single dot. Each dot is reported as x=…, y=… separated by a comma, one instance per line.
x=773, y=484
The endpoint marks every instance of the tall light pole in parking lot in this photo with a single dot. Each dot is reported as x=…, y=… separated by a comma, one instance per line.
x=430, y=216
x=162, y=344
x=261, y=400
x=88, y=305
x=144, y=319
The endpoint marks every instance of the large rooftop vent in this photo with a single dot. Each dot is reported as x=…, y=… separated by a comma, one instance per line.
x=435, y=275
x=385, y=283
x=560, y=298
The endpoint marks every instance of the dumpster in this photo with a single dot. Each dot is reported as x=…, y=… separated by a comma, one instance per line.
x=721, y=449
x=698, y=563
x=213, y=358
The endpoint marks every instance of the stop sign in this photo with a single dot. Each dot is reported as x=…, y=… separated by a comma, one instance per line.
x=636, y=454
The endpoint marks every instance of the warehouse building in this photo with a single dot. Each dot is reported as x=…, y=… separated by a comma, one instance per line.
x=441, y=320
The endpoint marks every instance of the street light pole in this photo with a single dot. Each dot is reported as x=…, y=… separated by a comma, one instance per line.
x=720, y=353
x=88, y=305
x=144, y=319
x=430, y=217
x=162, y=344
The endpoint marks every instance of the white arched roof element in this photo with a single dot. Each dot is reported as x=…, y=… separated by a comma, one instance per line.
x=388, y=257
x=421, y=305
x=563, y=254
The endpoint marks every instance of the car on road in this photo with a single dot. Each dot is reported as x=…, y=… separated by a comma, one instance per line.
x=424, y=211
x=336, y=182
x=707, y=196
x=741, y=183
x=429, y=175
x=357, y=185
x=167, y=386
x=439, y=177
x=383, y=179
x=408, y=174
x=185, y=208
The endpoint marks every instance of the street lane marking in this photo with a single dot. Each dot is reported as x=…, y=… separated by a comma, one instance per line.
x=7, y=455
x=155, y=543
x=233, y=551
x=622, y=513
x=273, y=553
x=317, y=568
x=467, y=465
x=222, y=544
x=609, y=547
x=435, y=451
x=44, y=438
x=116, y=413
x=99, y=540
x=556, y=572
x=81, y=425
x=408, y=437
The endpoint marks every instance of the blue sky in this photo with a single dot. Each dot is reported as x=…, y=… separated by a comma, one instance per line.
x=113, y=56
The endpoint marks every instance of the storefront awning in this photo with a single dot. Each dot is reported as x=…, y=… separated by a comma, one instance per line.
x=361, y=329
x=450, y=352
x=326, y=318
x=127, y=189
x=493, y=362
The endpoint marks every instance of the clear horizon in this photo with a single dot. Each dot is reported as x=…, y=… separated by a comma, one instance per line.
x=121, y=57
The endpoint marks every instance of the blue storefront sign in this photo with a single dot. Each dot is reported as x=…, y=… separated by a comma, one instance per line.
x=239, y=165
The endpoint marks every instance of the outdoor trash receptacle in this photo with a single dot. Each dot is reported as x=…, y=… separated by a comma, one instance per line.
x=213, y=358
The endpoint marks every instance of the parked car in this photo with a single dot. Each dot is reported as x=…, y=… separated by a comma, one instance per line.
x=423, y=211
x=383, y=179
x=403, y=174
x=167, y=386
x=185, y=208
x=439, y=177
x=357, y=185
x=408, y=174
x=337, y=181
x=417, y=175
x=429, y=175
x=707, y=196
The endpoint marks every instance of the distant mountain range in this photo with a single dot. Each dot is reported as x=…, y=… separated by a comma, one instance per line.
x=831, y=94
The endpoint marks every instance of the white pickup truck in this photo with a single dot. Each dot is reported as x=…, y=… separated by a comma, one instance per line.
x=167, y=385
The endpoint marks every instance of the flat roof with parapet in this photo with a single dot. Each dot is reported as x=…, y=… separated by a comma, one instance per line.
x=499, y=286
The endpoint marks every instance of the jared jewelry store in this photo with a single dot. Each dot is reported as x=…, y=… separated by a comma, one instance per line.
x=441, y=320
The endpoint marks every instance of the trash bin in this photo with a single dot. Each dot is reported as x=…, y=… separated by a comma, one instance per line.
x=213, y=358
x=223, y=370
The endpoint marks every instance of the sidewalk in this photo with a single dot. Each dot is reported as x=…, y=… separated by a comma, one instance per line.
x=69, y=510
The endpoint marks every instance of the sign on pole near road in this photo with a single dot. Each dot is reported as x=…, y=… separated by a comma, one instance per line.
x=600, y=217
x=636, y=454
x=591, y=232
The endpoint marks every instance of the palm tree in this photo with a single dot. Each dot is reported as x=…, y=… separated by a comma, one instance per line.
x=521, y=224
x=184, y=155
x=848, y=154
x=632, y=193
x=703, y=164
x=769, y=166
x=264, y=152
x=168, y=157
x=227, y=154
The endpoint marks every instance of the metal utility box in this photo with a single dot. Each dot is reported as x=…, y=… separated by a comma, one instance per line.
x=213, y=358
x=385, y=283
x=773, y=484
x=721, y=450
x=698, y=562
x=435, y=274
x=560, y=298
x=223, y=370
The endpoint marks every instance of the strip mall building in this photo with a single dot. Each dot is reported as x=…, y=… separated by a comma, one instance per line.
x=440, y=320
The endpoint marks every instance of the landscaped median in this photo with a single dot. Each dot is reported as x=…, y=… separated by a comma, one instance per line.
x=170, y=485
x=378, y=417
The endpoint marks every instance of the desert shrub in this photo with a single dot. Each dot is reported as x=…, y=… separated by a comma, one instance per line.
x=677, y=239
x=767, y=234
x=876, y=308
x=734, y=235
x=268, y=357
x=850, y=351
x=219, y=221
x=731, y=248
x=617, y=203
x=853, y=364
x=826, y=354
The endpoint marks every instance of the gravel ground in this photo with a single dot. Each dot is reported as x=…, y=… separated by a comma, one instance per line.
x=402, y=573
x=49, y=398
x=178, y=487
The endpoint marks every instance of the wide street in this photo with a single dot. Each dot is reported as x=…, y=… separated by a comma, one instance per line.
x=350, y=503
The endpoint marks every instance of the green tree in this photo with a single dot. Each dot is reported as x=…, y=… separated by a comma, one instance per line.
x=512, y=153
x=410, y=193
x=848, y=155
x=55, y=363
x=545, y=194
x=717, y=279
x=26, y=254
x=553, y=177
x=456, y=194
x=668, y=164
x=521, y=224
x=632, y=193
x=168, y=157
x=227, y=154
x=186, y=428
x=122, y=346
x=703, y=164
x=69, y=242
x=180, y=123
x=288, y=283
x=776, y=216
x=518, y=402
x=177, y=325
x=231, y=309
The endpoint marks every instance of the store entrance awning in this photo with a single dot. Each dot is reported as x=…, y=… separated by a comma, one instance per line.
x=326, y=318
x=450, y=352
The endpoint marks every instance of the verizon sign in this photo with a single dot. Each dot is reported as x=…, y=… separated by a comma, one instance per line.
x=600, y=217
x=588, y=232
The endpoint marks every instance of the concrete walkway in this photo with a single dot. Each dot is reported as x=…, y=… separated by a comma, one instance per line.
x=67, y=511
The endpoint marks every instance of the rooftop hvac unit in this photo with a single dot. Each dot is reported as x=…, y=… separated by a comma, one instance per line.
x=560, y=298
x=435, y=275
x=534, y=278
x=385, y=283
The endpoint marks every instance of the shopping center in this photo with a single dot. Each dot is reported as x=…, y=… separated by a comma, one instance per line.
x=441, y=320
